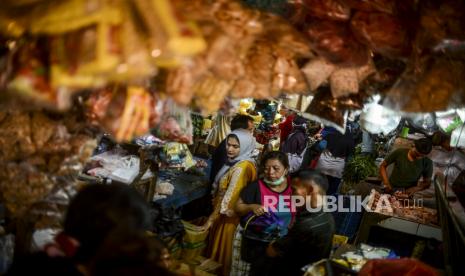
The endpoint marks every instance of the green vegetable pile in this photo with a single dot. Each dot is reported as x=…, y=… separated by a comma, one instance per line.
x=359, y=168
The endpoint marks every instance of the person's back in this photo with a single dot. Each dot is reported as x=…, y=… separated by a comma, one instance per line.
x=340, y=145
x=310, y=239
x=296, y=142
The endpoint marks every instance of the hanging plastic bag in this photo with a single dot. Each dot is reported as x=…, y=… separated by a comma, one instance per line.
x=328, y=9
x=344, y=82
x=377, y=119
x=448, y=121
x=124, y=114
x=458, y=137
x=324, y=109
x=383, y=33
x=386, y=6
x=210, y=93
x=437, y=84
x=175, y=124
x=317, y=71
x=425, y=123
x=334, y=41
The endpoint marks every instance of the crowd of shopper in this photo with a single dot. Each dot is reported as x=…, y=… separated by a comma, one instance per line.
x=106, y=229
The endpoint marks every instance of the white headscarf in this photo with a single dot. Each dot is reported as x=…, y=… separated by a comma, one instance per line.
x=247, y=146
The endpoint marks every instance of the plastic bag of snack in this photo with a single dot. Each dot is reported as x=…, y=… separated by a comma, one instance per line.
x=223, y=58
x=124, y=114
x=383, y=33
x=236, y=20
x=328, y=9
x=210, y=92
x=343, y=81
x=285, y=39
x=324, y=109
x=317, y=71
x=16, y=137
x=386, y=6
x=287, y=77
x=31, y=76
x=175, y=124
x=436, y=85
x=334, y=41
x=171, y=36
x=179, y=83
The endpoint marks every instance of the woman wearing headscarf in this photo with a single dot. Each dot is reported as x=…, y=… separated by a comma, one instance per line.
x=238, y=171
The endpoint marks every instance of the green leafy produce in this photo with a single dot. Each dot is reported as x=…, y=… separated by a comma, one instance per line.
x=359, y=168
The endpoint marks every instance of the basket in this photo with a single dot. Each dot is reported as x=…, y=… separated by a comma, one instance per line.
x=194, y=240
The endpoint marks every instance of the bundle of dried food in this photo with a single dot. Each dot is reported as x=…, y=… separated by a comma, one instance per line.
x=328, y=9
x=210, y=92
x=180, y=81
x=124, y=113
x=386, y=6
x=287, y=77
x=383, y=33
x=437, y=85
x=223, y=58
x=285, y=39
x=16, y=137
x=259, y=64
x=22, y=185
x=317, y=72
x=236, y=20
x=334, y=41
x=342, y=80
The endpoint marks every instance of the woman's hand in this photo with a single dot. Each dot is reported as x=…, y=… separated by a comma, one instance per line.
x=258, y=210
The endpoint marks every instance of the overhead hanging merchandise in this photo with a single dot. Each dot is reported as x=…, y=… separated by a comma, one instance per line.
x=377, y=119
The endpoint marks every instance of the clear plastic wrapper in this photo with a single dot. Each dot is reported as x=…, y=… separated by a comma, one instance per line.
x=425, y=123
x=328, y=9
x=458, y=137
x=175, y=124
x=448, y=121
x=384, y=33
x=376, y=119
x=334, y=41
x=437, y=84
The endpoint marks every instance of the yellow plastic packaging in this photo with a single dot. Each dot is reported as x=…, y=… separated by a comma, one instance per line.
x=171, y=37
